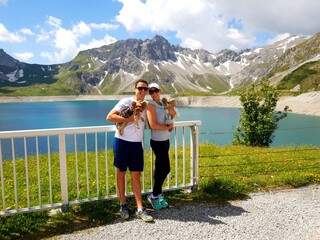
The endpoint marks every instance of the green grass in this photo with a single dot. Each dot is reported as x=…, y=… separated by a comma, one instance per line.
x=229, y=172
x=307, y=76
x=256, y=169
x=54, y=89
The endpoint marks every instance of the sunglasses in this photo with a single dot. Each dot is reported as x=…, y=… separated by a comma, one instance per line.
x=153, y=91
x=142, y=88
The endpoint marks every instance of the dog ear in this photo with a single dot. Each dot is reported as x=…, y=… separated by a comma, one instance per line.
x=170, y=99
x=164, y=100
x=172, y=102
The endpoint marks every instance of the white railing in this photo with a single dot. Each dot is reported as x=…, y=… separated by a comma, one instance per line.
x=52, y=168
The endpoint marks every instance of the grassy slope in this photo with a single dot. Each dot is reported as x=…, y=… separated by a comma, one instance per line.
x=226, y=173
x=308, y=76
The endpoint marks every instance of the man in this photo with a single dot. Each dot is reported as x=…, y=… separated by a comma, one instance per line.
x=128, y=151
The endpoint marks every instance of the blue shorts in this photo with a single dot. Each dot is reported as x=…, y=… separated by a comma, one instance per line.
x=128, y=155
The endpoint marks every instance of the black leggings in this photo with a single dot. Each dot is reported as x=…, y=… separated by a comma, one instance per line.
x=162, y=165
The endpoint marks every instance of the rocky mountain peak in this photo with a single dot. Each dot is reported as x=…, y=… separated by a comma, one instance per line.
x=159, y=39
x=157, y=49
x=7, y=60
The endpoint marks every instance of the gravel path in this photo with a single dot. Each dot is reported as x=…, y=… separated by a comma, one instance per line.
x=288, y=214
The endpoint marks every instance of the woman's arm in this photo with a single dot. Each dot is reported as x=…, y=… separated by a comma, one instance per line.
x=152, y=118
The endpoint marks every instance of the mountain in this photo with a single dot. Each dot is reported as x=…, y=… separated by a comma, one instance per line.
x=260, y=61
x=113, y=69
x=298, y=68
x=14, y=72
x=291, y=64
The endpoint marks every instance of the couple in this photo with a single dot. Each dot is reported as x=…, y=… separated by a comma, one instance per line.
x=128, y=151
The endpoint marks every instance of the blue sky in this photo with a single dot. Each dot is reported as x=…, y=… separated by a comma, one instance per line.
x=55, y=31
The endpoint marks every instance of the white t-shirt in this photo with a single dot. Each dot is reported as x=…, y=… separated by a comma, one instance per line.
x=132, y=132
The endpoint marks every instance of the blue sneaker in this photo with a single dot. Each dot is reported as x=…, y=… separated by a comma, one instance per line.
x=163, y=201
x=155, y=202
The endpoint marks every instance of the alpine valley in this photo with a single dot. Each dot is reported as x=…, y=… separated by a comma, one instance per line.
x=292, y=65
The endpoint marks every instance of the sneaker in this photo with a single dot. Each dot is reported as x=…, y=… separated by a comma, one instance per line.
x=155, y=202
x=142, y=214
x=163, y=201
x=124, y=211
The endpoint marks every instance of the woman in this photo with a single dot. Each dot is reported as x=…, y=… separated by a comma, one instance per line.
x=161, y=124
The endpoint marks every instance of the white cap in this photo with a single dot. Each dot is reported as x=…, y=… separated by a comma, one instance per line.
x=153, y=85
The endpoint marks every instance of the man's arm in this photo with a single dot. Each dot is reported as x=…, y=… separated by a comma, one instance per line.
x=114, y=117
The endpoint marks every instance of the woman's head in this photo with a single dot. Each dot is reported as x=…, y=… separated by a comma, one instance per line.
x=154, y=91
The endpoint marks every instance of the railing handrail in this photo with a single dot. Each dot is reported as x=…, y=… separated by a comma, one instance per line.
x=55, y=131
x=73, y=130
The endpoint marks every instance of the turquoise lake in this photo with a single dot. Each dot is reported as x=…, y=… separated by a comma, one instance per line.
x=217, y=127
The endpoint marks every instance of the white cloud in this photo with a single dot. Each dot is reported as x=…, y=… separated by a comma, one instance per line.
x=207, y=22
x=239, y=37
x=53, y=21
x=277, y=16
x=24, y=56
x=73, y=48
x=43, y=36
x=81, y=29
x=94, y=43
x=104, y=26
x=26, y=31
x=196, y=23
x=6, y=36
x=279, y=37
x=3, y=1
x=67, y=42
x=191, y=43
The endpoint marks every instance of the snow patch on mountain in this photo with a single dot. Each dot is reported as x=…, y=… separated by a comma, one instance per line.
x=14, y=76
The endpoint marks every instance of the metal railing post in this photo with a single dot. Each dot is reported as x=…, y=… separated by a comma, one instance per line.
x=194, y=156
x=63, y=170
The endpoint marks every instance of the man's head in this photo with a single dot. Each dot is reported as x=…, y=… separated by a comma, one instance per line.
x=141, y=89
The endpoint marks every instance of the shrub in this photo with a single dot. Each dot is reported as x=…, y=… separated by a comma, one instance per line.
x=258, y=120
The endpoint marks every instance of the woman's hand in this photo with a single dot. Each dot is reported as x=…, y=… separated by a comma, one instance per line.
x=170, y=127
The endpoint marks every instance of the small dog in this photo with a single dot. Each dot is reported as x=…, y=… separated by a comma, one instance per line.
x=168, y=104
x=137, y=107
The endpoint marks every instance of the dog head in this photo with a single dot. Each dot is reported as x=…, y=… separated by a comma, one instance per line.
x=168, y=103
x=139, y=106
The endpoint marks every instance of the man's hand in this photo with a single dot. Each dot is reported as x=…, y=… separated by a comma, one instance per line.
x=130, y=119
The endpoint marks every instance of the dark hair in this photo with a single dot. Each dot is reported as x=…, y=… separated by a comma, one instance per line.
x=140, y=80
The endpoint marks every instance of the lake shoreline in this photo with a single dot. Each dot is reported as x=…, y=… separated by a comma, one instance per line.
x=307, y=103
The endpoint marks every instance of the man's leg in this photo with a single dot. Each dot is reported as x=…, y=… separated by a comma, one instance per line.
x=136, y=187
x=121, y=186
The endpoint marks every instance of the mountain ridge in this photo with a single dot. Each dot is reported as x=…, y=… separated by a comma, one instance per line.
x=113, y=68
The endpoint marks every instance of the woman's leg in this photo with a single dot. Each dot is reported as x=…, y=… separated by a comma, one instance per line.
x=162, y=164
